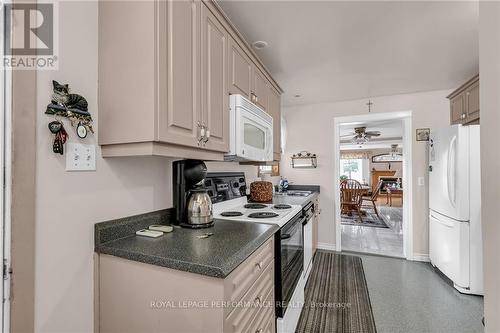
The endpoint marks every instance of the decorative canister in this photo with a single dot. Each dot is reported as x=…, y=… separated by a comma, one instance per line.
x=261, y=191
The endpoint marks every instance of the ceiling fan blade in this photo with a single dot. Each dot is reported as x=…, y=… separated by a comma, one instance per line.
x=346, y=135
x=373, y=133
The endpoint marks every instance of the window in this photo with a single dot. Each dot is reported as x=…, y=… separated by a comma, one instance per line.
x=352, y=169
x=272, y=170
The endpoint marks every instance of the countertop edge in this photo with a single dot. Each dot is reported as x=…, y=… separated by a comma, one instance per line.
x=162, y=262
x=190, y=267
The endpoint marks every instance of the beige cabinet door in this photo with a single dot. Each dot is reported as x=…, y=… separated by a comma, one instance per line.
x=240, y=70
x=472, y=102
x=274, y=110
x=457, y=109
x=215, y=97
x=179, y=72
x=260, y=89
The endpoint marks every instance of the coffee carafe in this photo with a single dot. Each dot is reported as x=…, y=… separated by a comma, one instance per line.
x=199, y=208
x=192, y=202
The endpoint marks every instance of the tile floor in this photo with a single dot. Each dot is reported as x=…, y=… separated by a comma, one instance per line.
x=409, y=296
x=384, y=241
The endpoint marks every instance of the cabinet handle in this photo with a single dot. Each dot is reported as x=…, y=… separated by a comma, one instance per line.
x=259, y=265
x=258, y=299
x=207, y=136
x=202, y=133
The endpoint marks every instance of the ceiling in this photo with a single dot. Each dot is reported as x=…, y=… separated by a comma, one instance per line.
x=391, y=132
x=329, y=51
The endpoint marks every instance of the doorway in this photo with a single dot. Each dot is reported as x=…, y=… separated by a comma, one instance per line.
x=5, y=184
x=373, y=176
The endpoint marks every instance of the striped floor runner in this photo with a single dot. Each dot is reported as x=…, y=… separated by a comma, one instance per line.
x=336, y=296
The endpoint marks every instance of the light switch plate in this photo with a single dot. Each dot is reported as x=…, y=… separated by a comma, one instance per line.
x=421, y=181
x=80, y=157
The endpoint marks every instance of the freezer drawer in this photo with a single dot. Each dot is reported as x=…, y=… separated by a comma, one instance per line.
x=449, y=248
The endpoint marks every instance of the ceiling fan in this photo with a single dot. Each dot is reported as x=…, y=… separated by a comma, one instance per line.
x=361, y=135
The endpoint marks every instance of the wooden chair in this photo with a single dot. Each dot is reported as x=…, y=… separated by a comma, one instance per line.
x=350, y=196
x=373, y=198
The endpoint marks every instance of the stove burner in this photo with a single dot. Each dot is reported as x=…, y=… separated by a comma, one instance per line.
x=231, y=213
x=263, y=215
x=255, y=206
x=282, y=206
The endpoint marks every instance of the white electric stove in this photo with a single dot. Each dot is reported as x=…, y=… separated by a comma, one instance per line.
x=239, y=209
x=228, y=194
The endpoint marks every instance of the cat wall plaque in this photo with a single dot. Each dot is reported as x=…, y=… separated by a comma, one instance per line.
x=72, y=106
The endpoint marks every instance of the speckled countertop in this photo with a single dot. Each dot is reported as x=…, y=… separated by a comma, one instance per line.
x=231, y=243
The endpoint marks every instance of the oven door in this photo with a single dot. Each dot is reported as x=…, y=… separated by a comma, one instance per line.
x=291, y=261
x=254, y=136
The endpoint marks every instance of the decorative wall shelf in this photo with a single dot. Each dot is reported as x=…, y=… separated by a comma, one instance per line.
x=304, y=160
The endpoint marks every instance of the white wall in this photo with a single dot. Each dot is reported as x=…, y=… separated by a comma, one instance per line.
x=70, y=203
x=249, y=170
x=489, y=57
x=310, y=127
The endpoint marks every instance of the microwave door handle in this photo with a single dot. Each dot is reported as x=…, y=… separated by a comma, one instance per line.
x=269, y=150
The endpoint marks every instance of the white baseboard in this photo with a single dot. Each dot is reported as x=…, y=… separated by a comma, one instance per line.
x=420, y=257
x=327, y=246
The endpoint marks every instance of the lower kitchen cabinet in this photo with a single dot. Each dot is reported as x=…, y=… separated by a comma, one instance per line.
x=138, y=297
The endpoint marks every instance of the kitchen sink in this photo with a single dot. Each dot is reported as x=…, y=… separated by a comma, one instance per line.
x=297, y=193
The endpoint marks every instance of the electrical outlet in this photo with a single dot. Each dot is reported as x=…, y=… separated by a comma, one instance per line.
x=80, y=157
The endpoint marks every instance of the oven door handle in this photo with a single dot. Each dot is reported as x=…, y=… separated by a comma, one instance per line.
x=306, y=219
x=285, y=236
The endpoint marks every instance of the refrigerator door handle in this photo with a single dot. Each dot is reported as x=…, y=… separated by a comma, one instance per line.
x=450, y=171
x=446, y=224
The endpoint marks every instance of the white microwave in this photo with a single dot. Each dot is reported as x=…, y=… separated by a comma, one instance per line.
x=251, y=131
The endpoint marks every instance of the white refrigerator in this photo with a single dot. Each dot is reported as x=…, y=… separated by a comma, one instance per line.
x=455, y=240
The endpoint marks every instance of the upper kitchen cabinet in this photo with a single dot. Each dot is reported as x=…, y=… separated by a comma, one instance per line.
x=464, y=103
x=259, y=94
x=166, y=70
x=215, y=97
x=240, y=70
x=179, y=105
x=274, y=110
x=157, y=94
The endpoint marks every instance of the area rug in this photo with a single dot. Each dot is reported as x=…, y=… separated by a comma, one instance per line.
x=336, y=297
x=369, y=220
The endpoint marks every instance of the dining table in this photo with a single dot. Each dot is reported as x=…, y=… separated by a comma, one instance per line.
x=390, y=191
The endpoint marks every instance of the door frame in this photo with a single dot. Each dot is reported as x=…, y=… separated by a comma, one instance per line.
x=6, y=187
x=406, y=118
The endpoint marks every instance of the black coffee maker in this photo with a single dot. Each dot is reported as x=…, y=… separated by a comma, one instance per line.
x=188, y=182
